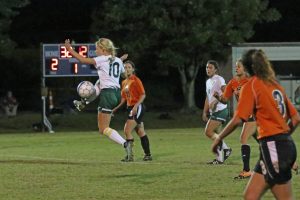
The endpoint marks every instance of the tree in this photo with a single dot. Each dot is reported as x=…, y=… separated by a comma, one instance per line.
x=182, y=33
x=8, y=9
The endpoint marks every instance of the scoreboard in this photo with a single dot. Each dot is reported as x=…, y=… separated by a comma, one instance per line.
x=58, y=62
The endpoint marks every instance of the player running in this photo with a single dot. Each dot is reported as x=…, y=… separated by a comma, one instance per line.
x=217, y=111
x=249, y=128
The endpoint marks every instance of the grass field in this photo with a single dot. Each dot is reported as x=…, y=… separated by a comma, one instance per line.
x=86, y=166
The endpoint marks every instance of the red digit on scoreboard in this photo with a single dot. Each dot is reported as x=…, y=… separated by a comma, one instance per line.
x=75, y=68
x=64, y=53
x=83, y=51
x=54, y=64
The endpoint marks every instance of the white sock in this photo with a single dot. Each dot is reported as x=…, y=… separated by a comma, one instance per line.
x=114, y=136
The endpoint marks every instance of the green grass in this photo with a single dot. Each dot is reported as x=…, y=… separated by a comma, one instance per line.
x=87, y=121
x=86, y=166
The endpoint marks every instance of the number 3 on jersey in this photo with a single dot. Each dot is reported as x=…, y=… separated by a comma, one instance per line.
x=114, y=69
x=280, y=102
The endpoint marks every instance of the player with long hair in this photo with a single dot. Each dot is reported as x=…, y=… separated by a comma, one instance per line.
x=109, y=68
x=276, y=119
x=133, y=93
x=217, y=111
x=249, y=128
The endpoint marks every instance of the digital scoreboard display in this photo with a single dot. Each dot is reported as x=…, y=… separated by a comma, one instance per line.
x=58, y=62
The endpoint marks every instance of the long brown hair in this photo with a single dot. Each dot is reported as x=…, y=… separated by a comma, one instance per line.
x=256, y=63
x=262, y=67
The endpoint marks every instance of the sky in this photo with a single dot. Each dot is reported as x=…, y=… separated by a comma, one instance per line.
x=54, y=20
x=287, y=29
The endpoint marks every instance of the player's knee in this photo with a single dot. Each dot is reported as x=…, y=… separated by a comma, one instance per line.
x=105, y=131
x=140, y=132
x=249, y=195
x=209, y=133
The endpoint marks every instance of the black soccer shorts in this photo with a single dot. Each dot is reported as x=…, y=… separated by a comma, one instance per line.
x=277, y=156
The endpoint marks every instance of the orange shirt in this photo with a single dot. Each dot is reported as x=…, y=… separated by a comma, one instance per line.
x=269, y=104
x=233, y=87
x=132, y=89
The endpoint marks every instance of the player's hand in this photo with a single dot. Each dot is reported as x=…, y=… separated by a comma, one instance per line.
x=68, y=44
x=124, y=57
x=204, y=117
x=215, y=144
x=213, y=105
x=216, y=95
x=134, y=110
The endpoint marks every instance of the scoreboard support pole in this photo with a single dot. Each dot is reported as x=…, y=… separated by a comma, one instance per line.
x=45, y=122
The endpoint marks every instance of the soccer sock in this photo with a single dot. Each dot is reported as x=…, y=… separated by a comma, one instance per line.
x=245, y=150
x=214, y=136
x=145, y=144
x=114, y=136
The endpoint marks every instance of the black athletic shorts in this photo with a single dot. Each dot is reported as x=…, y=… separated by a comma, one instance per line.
x=139, y=115
x=277, y=156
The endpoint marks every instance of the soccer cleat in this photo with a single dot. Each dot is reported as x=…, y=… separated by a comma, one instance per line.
x=128, y=159
x=227, y=153
x=128, y=145
x=79, y=105
x=215, y=162
x=244, y=175
x=147, y=158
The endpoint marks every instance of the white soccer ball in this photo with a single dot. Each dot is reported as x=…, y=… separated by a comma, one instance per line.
x=85, y=89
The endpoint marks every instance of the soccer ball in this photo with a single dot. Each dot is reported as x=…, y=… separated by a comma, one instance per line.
x=85, y=89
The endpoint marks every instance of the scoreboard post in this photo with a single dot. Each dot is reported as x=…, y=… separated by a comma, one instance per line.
x=56, y=61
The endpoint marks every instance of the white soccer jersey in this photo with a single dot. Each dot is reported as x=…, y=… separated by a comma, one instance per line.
x=214, y=84
x=109, y=72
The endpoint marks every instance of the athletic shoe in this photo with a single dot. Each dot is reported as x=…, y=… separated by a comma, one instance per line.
x=244, y=175
x=128, y=145
x=227, y=153
x=215, y=162
x=147, y=158
x=79, y=105
x=128, y=159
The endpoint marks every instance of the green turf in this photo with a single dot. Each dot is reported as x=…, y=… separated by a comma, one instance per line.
x=86, y=166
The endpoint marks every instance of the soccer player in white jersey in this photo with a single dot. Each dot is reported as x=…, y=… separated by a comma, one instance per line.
x=214, y=112
x=109, y=68
x=80, y=104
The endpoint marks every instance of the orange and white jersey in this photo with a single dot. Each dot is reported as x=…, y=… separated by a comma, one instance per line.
x=214, y=84
x=234, y=87
x=269, y=104
x=132, y=89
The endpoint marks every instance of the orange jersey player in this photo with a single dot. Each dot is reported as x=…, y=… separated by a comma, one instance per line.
x=133, y=93
x=276, y=120
x=249, y=128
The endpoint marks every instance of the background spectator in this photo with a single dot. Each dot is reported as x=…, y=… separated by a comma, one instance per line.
x=9, y=104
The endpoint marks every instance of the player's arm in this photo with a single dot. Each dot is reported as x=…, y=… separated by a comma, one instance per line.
x=294, y=116
x=123, y=100
x=77, y=55
x=124, y=57
x=142, y=96
x=220, y=98
x=205, y=110
x=230, y=127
